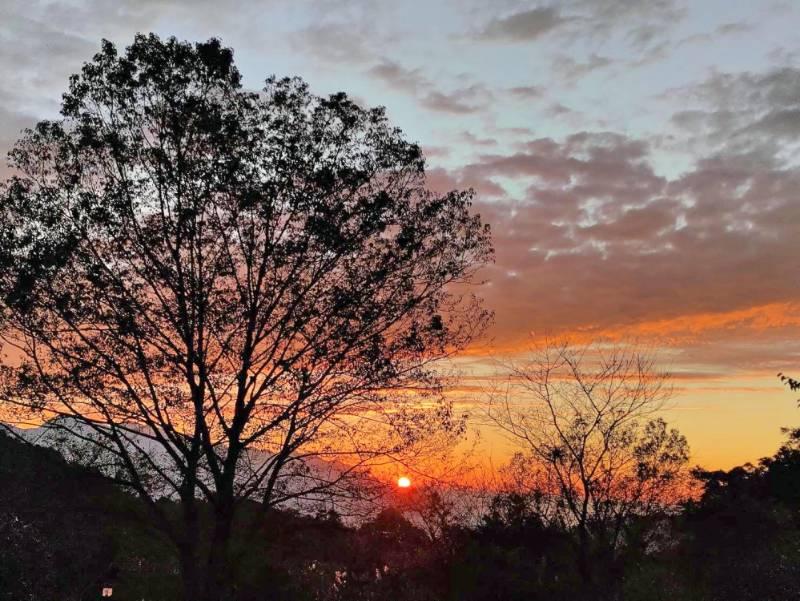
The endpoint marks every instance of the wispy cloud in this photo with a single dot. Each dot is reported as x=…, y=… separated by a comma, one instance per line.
x=460, y=100
x=523, y=26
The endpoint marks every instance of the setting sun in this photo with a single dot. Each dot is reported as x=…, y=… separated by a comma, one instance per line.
x=403, y=482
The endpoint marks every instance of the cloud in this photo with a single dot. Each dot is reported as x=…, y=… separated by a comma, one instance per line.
x=642, y=25
x=524, y=132
x=11, y=125
x=441, y=180
x=746, y=113
x=471, y=99
x=641, y=22
x=733, y=28
x=45, y=41
x=333, y=33
x=37, y=60
x=472, y=139
x=557, y=110
x=524, y=26
x=600, y=242
x=590, y=236
x=410, y=81
x=571, y=70
x=436, y=151
x=462, y=100
x=527, y=92
x=612, y=159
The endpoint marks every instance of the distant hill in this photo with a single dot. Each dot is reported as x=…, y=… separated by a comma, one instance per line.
x=68, y=436
x=65, y=529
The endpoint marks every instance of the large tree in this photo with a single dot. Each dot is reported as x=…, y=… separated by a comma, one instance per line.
x=226, y=294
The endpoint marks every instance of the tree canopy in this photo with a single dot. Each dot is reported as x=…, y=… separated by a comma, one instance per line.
x=228, y=293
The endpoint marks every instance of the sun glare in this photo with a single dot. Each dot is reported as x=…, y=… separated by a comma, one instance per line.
x=403, y=482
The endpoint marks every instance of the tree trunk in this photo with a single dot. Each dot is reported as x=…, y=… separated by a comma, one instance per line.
x=193, y=586
x=219, y=573
x=584, y=561
x=209, y=577
x=189, y=549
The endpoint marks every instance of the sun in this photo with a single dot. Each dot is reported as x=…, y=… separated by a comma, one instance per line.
x=403, y=482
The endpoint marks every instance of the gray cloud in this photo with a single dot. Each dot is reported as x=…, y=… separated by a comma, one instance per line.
x=570, y=70
x=527, y=92
x=524, y=26
x=742, y=113
x=472, y=139
x=471, y=99
x=342, y=32
x=409, y=81
x=641, y=24
x=461, y=100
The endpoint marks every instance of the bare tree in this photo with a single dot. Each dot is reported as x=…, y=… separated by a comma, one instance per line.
x=225, y=294
x=593, y=455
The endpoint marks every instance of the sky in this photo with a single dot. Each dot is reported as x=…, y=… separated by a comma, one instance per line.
x=637, y=160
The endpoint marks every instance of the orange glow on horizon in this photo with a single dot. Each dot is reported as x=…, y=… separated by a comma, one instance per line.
x=676, y=330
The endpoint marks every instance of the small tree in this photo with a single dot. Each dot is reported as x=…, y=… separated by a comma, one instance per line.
x=592, y=457
x=226, y=294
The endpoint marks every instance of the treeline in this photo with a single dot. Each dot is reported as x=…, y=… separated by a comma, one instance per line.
x=65, y=532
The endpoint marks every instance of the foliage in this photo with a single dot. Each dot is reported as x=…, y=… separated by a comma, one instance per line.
x=792, y=383
x=227, y=294
x=748, y=518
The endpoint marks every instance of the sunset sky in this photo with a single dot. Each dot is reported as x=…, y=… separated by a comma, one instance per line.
x=638, y=161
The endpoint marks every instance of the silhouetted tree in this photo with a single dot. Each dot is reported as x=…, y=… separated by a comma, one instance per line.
x=592, y=455
x=516, y=554
x=227, y=294
x=739, y=539
x=792, y=383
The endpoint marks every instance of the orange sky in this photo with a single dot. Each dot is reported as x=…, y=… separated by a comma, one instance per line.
x=727, y=399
